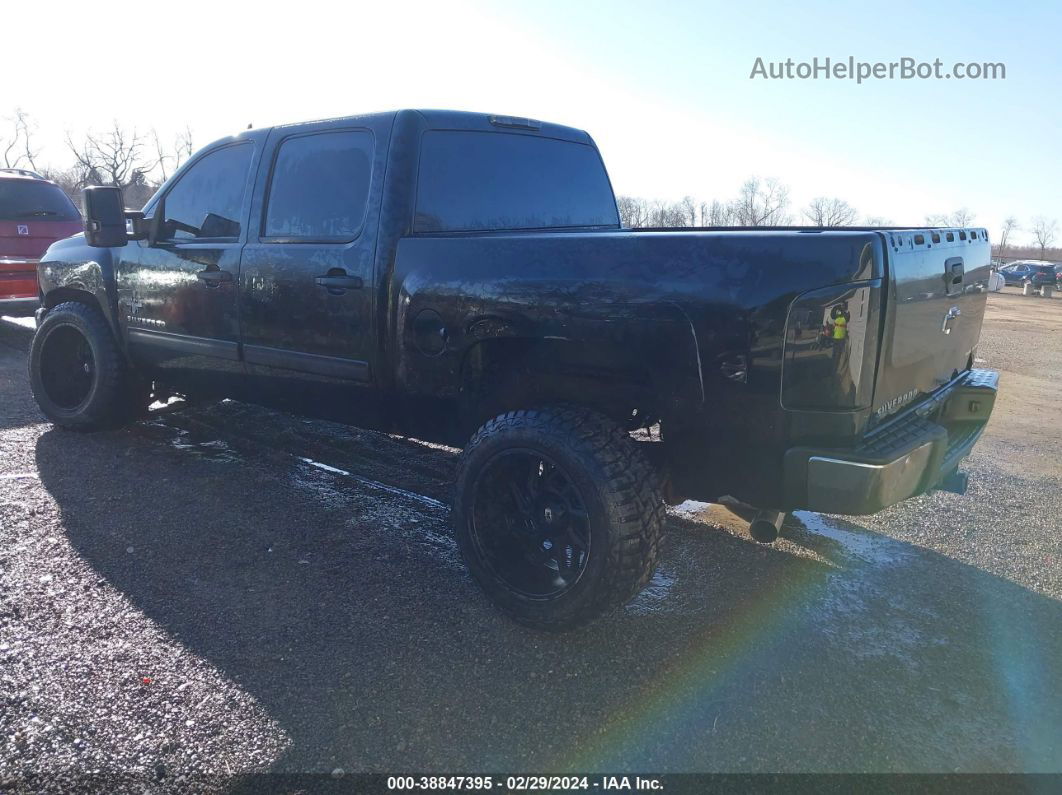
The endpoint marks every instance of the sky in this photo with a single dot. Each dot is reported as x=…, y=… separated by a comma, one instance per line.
x=664, y=88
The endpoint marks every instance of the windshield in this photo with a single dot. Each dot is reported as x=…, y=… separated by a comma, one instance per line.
x=22, y=199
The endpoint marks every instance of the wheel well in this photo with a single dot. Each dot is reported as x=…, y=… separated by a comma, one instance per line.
x=503, y=374
x=63, y=294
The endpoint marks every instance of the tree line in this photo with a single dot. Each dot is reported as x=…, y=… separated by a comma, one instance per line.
x=765, y=202
x=136, y=161
x=140, y=161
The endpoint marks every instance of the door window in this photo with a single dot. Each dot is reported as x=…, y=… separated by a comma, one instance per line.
x=320, y=187
x=207, y=201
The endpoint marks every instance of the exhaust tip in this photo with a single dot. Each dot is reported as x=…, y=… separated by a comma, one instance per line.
x=766, y=525
x=763, y=531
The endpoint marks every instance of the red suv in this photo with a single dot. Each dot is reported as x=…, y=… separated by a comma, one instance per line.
x=34, y=213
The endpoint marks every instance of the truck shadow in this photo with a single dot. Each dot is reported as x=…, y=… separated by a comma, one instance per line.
x=344, y=610
x=16, y=404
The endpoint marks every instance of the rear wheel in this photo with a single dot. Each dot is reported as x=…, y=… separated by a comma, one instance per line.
x=77, y=374
x=558, y=515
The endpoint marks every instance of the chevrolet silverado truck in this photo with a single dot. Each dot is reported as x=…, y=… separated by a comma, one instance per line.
x=465, y=279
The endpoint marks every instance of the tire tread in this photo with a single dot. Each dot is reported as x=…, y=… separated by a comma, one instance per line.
x=631, y=492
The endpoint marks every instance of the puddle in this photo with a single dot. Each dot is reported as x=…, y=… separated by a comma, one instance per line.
x=865, y=546
x=180, y=439
x=420, y=519
x=656, y=596
x=861, y=608
x=423, y=499
x=212, y=450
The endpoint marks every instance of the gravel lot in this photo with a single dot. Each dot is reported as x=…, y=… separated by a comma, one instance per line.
x=226, y=589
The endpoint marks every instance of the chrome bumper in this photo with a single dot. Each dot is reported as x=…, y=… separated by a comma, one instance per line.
x=909, y=457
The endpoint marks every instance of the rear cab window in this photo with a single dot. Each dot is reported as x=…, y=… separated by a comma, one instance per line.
x=32, y=199
x=477, y=181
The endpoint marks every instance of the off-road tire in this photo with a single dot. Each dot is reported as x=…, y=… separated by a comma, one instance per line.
x=114, y=396
x=622, y=495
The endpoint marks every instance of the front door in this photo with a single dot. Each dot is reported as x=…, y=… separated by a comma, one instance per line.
x=306, y=282
x=177, y=295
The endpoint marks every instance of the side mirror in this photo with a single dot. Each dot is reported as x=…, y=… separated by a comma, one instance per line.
x=104, y=217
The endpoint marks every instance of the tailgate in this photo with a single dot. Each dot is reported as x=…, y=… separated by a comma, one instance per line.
x=30, y=238
x=938, y=287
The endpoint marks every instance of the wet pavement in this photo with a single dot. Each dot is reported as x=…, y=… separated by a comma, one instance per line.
x=227, y=589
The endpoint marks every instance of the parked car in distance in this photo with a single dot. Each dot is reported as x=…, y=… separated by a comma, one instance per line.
x=464, y=278
x=1038, y=272
x=1041, y=276
x=34, y=213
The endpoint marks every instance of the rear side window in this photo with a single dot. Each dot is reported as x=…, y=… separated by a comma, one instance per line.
x=207, y=201
x=320, y=187
x=31, y=199
x=480, y=180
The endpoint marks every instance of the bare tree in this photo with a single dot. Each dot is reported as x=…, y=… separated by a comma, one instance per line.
x=961, y=217
x=1009, y=225
x=689, y=211
x=762, y=203
x=17, y=146
x=877, y=220
x=71, y=180
x=721, y=214
x=637, y=213
x=170, y=160
x=633, y=212
x=830, y=212
x=126, y=159
x=1044, y=229
x=116, y=157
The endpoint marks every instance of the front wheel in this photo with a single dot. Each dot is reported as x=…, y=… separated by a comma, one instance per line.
x=77, y=374
x=558, y=515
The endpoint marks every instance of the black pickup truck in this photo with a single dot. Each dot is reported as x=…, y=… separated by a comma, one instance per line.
x=464, y=278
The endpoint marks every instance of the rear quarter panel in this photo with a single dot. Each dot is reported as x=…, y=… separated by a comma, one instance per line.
x=723, y=295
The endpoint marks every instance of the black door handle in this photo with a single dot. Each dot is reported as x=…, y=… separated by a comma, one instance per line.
x=214, y=278
x=339, y=282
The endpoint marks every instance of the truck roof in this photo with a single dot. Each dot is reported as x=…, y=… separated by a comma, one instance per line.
x=467, y=120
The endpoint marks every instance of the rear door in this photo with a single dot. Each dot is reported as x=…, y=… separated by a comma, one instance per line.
x=306, y=287
x=938, y=287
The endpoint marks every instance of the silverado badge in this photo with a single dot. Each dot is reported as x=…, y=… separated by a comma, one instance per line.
x=889, y=406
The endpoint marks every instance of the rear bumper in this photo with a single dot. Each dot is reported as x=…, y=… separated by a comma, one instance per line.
x=19, y=307
x=910, y=456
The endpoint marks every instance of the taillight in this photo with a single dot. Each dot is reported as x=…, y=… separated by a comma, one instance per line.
x=831, y=348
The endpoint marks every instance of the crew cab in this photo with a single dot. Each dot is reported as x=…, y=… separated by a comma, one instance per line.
x=464, y=278
x=34, y=213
